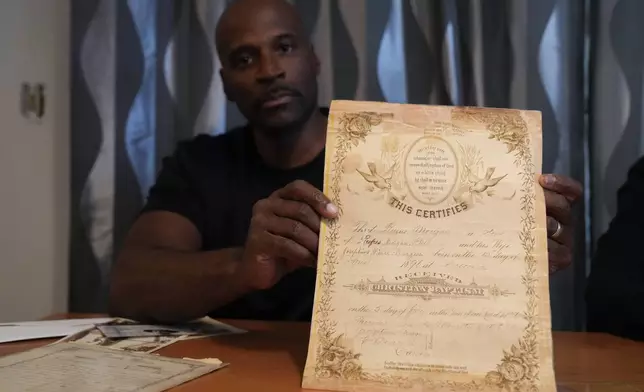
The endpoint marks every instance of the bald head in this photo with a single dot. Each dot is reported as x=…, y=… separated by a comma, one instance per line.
x=269, y=68
x=242, y=13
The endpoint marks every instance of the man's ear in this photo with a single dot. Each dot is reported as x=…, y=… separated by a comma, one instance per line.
x=316, y=60
x=317, y=65
x=224, y=84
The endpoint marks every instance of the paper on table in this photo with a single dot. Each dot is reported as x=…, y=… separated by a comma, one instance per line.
x=72, y=367
x=198, y=328
x=117, y=339
x=435, y=276
x=94, y=337
x=208, y=327
x=26, y=330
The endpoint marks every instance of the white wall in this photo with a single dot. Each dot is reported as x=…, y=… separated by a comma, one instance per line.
x=34, y=160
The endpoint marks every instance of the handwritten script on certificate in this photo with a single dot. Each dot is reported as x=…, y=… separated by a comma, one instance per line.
x=435, y=275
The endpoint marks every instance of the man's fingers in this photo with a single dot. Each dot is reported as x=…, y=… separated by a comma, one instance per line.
x=558, y=207
x=294, y=230
x=293, y=254
x=297, y=211
x=566, y=186
x=305, y=192
x=283, y=238
x=564, y=236
x=559, y=256
x=560, y=192
x=552, y=225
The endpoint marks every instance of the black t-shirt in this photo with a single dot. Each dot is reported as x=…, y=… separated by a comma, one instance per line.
x=214, y=181
x=615, y=291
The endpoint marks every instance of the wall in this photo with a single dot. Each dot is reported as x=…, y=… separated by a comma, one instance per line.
x=34, y=160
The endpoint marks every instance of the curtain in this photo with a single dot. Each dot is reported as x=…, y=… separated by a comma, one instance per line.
x=617, y=100
x=145, y=75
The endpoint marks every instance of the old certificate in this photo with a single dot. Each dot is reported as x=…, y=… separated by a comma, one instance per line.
x=435, y=275
x=71, y=367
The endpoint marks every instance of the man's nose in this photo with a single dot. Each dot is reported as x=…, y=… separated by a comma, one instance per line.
x=270, y=68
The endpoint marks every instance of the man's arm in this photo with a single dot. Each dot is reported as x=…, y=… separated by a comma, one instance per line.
x=615, y=293
x=162, y=276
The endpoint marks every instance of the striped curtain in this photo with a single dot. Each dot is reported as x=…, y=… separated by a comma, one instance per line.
x=145, y=75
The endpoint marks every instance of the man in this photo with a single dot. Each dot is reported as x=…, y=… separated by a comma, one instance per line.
x=615, y=293
x=231, y=226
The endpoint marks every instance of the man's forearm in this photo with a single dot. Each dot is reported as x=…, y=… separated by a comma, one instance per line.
x=172, y=286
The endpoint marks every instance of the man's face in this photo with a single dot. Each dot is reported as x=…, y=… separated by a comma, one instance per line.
x=269, y=69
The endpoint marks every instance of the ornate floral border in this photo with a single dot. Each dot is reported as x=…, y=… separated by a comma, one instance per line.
x=518, y=370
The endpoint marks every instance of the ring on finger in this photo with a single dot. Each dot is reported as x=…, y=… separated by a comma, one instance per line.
x=557, y=232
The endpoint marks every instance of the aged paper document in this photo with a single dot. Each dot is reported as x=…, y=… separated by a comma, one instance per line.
x=136, y=337
x=435, y=275
x=72, y=367
x=94, y=337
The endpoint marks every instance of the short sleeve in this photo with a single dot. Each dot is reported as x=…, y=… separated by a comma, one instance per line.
x=615, y=291
x=176, y=189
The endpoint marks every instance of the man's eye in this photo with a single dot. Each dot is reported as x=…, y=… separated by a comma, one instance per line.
x=285, y=47
x=243, y=60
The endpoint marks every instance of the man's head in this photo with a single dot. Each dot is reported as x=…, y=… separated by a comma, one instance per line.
x=269, y=68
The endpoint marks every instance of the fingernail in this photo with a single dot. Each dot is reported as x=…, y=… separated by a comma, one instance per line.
x=549, y=180
x=331, y=208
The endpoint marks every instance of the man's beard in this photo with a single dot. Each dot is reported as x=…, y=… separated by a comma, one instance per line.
x=287, y=129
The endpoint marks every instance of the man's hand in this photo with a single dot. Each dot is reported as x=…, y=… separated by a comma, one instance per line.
x=561, y=193
x=283, y=234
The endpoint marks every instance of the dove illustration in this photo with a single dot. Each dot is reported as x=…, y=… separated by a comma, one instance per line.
x=378, y=180
x=481, y=185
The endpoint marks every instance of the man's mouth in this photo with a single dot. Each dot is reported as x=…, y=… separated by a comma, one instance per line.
x=277, y=101
x=278, y=98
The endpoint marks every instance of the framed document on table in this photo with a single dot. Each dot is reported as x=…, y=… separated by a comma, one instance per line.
x=435, y=274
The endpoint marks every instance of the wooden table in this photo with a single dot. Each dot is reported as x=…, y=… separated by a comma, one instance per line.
x=270, y=358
